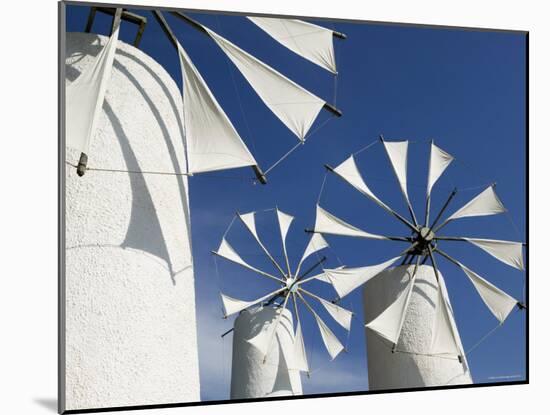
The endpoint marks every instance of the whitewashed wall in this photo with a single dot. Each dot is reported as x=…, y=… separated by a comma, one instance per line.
x=250, y=376
x=130, y=297
x=389, y=370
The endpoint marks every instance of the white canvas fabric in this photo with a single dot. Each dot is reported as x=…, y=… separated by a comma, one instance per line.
x=321, y=277
x=300, y=355
x=397, y=153
x=346, y=280
x=510, y=253
x=388, y=324
x=500, y=303
x=212, y=141
x=439, y=161
x=333, y=345
x=310, y=41
x=484, y=204
x=316, y=243
x=296, y=107
x=226, y=251
x=327, y=223
x=233, y=305
x=284, y=221
x=350, y=173
x=85, y=96
x=443, y=338
x=339, y=314
x=249, y=220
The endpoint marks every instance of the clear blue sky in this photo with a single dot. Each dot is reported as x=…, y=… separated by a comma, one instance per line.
x=465, y=89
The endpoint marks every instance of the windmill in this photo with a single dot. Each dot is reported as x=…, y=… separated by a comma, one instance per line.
x=134, y=138
x=270, y=341
x=389, y=297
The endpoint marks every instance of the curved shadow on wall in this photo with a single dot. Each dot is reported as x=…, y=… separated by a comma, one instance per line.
x=144, y=231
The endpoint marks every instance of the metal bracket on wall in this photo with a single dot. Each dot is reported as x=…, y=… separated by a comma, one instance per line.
x=127, y=16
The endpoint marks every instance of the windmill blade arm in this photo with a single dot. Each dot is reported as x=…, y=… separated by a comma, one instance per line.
x=348, y=172
x=332, y=344
x=499, y=303
x=233, y=305
x=250, y=268
x=339, y=314
x=299, y=347
x=508, y=252
x=248, y=220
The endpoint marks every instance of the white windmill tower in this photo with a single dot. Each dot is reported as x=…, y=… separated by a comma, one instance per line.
x=412, y=338
x=268, y=353
x=134, y=139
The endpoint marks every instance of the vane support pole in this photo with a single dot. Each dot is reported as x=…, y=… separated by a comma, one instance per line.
x=391, y=238
x=127, y=16
x=453, y=193
x=196, y=25
x=310, y=269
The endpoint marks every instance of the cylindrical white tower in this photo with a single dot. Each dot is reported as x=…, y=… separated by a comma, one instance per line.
x=251, y=377
x=411, y=366
x=131, y=336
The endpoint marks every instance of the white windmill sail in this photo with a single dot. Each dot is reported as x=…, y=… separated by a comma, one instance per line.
x=212, y=141
x=333, y=345
x=346, y=280
x=509, y=252
x=388, y=324
x=439, y=161
x=316, y=243
x=263, y=341
x=339, y=314
x=233, y=305
x=327, y=223
x=484, y=204
x=443, y=337
x=350, y=173
x=285, y=220
x=397, y=153
x=500, y=303
x=322, y=276
x=226, y=251
x=296, y=107
x=310, y=41
x=86, y=94
x=300, y=355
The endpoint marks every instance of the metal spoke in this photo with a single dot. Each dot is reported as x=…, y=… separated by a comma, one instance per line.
x=257, y=239
x=383, y=205
x=311, y=269
x=250, y=268
x=453, y=193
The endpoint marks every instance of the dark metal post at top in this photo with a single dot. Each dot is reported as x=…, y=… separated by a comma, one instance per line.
x=260, y=176
x=330, y=108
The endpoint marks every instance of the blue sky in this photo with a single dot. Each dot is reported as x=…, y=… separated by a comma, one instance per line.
x=465, y=89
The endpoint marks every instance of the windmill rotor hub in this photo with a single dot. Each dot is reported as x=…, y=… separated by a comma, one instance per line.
x=291, y=285
x=424, y=238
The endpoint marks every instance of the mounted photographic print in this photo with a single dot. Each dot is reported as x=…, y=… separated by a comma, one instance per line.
x=261, y=207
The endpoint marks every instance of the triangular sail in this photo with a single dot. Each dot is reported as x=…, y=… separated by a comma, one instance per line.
x=333, y=345
x=310, y=41
x=85, y=96
x=439, y=161
x=388, y=324
x=484, y=204
x=397, y=153
x=316, y=243
x=300, y=351
x=346, y=280
x=212, y=141
x=296, y=107
x=327, y=223
x=284, y=221
x=350, y=173
x=500, y=303
x=339, y=314
x=443, y=338
x=510, y=253
x=264, y=339
x=233, y=305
